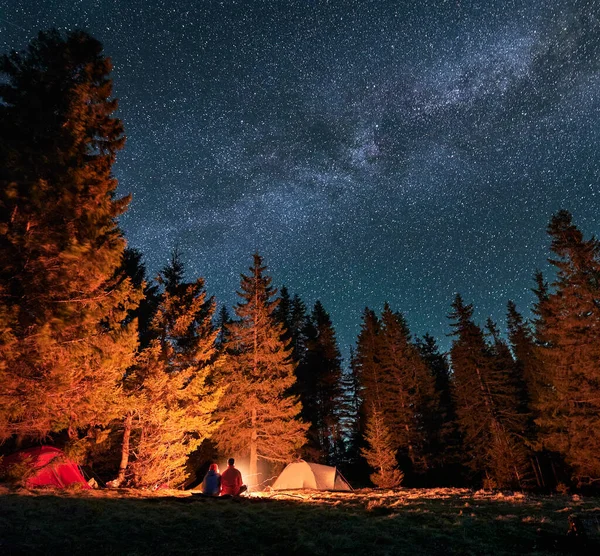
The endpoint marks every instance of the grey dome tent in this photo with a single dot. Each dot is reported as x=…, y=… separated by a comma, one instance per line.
x=303, y=474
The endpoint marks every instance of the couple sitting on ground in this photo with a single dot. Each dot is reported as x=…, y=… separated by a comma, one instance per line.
x=229, y=483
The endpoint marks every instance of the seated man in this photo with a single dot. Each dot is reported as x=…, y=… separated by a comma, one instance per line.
x=231, y=480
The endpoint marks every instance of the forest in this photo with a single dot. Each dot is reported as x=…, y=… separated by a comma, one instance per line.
x=143, y=380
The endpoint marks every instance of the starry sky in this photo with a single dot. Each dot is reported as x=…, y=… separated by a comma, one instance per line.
x=370, y=150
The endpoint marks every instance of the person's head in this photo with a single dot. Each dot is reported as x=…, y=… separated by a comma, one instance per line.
x=214, y=467
x=231, y=462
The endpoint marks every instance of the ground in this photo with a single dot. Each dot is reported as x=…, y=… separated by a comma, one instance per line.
x=369, y=522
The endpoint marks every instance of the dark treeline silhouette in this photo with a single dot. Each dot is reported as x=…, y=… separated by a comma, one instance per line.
x=143, y=379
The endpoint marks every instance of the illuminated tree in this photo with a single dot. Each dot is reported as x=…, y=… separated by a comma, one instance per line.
x=568, y=333
x=65, y=335
x=381, y=454
x=485, y=403
x=260, y=419
x=171, y=402
x=409, y=398
x=367, y=366
x=528, y=366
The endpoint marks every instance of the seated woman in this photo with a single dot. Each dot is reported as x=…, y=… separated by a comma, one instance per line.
x=211, y=485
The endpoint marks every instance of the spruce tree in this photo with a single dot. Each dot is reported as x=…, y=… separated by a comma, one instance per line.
x=65, y=335
x=349, y=413
x=442, y=429
x=223, y=321
x=367, y=365
x=529, y=367
x=170, y=397
x=523, y=346
x=134, y=267
x=409, y=399
x=568, y=333
x=483, y=391
x=320, y=390
x=298, y=329
x=260, y=419
x=380, y=454
x=283, y=313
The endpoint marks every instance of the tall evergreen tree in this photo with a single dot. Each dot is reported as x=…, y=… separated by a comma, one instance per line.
x=222, y=324
x=409, y=398
x=298, y=329
x=283, y=313
x=134, y=267
x=172, y=403
x=64, y=332
x=568, y=331
x=529, y=367
x=320, y=390
x=260, y=419
x=523, y=346
x=349, y=414
x=482, y=389
x=442, y=429
x=367, y=366
x=380, y=454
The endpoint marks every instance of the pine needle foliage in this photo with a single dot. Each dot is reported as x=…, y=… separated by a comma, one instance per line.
x=366, y=365
x=443, y=437
x=381, y=454
x=410, y=397
x=320, y=387
x=568, y=334
x=260, y=419
x=65, y=336
x=172, y=402
x=485, y=404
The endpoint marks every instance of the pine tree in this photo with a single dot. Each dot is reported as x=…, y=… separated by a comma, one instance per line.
x=64, y=305
x=298, y=329
x=568, y=333
x=349, y=414
x=442, y=429
x=222, y=325
x=529, y=367
x=523, y=346
x=541, y=292
x=381, y=454
x=134, y=267
x=409, y=398
x=367, y=365
x=283, y=313
x=259, y=416
x=171, y=400
x=320, y=390
x=483, y=391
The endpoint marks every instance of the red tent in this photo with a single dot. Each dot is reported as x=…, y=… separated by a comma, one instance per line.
x=47, y=467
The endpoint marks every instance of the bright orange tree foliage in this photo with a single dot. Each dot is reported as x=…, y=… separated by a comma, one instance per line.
x=63, y=342
x=260, y=418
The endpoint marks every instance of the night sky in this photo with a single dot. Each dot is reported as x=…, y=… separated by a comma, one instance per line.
x=369, y=150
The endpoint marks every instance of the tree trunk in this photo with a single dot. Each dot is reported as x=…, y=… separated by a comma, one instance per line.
x=125, y=448
x=253, y=478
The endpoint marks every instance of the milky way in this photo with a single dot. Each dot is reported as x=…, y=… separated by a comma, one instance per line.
x=369, y=150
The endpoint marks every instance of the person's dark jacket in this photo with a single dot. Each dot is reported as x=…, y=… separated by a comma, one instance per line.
x=211, y=485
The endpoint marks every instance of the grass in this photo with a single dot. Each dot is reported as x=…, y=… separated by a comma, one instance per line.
x=416, y=522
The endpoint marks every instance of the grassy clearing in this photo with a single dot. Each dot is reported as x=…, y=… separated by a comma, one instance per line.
x=436, y=521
